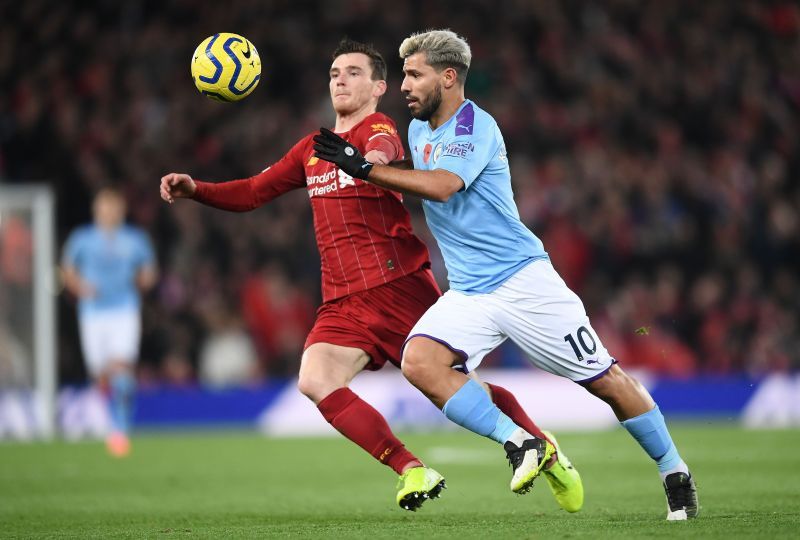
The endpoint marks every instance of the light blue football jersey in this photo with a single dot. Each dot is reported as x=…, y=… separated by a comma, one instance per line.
x=109, y=261
x=478, y=229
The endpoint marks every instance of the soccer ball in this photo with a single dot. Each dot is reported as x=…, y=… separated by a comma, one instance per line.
x=226, y=67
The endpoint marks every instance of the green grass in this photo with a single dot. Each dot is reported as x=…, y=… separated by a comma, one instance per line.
x=212, y=485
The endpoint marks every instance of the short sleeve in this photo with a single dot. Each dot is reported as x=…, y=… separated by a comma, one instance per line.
x=380, y=133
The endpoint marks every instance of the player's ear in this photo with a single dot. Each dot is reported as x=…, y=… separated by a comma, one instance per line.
x=449, y=77
x=379, y=88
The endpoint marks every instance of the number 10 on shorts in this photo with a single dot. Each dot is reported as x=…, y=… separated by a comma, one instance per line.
x=586, y=341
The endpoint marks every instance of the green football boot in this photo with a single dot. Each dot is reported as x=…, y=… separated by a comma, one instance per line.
x=417, y=485
x=564, y=480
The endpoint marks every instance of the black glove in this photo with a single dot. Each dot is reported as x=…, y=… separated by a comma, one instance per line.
x=330, y=147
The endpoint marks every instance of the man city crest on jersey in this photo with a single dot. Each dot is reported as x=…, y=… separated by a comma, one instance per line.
x=437, y=152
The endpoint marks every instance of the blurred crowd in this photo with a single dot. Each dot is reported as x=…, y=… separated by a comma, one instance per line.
x=654, y=147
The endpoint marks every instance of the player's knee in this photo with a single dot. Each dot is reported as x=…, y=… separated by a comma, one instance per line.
x=314, y=387
x=414, y=365
x=314, y=383
x=423, y=358
x=307, y=386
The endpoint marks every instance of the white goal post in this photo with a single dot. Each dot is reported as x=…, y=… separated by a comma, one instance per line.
x=27, y=312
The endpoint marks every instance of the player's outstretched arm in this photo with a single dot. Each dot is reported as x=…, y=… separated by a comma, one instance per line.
x=177, y=186
x=243, y=194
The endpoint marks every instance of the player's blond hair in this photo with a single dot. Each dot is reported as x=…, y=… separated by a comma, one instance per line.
x=442, y=48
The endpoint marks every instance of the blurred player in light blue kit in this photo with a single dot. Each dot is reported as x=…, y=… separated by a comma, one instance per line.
x=106, y=264
x=502, y=284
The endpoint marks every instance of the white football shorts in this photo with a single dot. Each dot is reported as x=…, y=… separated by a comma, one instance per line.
x=110, y=336
x=535, y=309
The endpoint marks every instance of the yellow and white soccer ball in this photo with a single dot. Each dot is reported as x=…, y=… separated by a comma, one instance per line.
x=226, y=67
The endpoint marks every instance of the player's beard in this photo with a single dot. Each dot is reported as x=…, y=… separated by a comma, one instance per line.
x=430, y=105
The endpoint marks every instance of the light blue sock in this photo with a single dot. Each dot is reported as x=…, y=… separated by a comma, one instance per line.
x=472, y=408
x=651, y=432
x=122, y=386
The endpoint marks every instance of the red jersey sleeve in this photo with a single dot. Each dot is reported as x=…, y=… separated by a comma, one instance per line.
x=378, y=132
x=250, y=193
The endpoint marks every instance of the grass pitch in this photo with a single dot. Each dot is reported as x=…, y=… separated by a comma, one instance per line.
x=235, y=485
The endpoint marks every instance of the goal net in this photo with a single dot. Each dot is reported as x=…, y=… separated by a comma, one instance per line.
x=27, y=312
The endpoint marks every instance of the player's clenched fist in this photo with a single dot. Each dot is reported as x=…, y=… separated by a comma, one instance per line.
x=177, y=186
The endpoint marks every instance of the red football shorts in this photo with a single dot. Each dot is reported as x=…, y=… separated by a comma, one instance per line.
x=376, y=320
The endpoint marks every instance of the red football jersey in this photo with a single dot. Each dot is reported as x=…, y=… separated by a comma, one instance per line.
x=363, y=231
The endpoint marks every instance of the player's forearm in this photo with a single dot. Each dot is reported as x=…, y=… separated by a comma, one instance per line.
x=437, y=185
x=402, y=164
x=235, y=196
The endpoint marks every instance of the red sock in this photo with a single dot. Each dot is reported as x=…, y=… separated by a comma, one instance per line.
x=361, y=423
x=507, y=403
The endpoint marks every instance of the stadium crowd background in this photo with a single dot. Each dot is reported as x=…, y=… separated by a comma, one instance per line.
x=654, y=147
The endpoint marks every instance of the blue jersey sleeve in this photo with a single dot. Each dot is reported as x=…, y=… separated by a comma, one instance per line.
x=471, y=148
